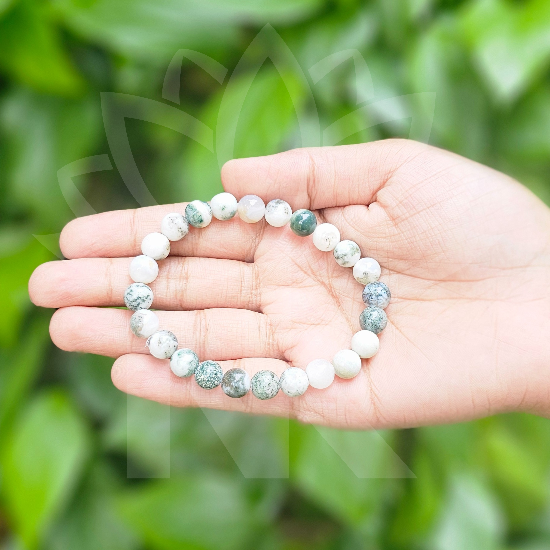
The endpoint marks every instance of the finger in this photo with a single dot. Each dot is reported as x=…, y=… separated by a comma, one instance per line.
x=119, y=233
x=322, y=177
x=215, y=334
x=150, y=378
x=182, y=283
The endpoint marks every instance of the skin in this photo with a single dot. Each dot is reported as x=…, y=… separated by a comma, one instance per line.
x=464, y=249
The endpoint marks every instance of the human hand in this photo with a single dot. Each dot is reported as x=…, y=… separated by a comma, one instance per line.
x=464, y=249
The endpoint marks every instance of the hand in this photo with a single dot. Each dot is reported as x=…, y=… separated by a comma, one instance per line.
x=465, y=251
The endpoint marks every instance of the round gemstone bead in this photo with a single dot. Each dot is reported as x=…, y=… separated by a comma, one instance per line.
x=278, y=213
x=265, y=385
x=373, y=319
x=347, y=363
x=224, y=206
x=143, y=269
x=174, y=226
x=198, y=213
x=144, y=323
x=320, y=373
x=251, y=209
x=326, y=236
x=184, y=362
x=347, y=253
x=303, y=222
x=365, y=343
x=162, y=344
x=377, y=294
x=366, y=270
x=235, y=383
x=156, y=246
x=294, y=381
x=138, y=296
x=208, y=375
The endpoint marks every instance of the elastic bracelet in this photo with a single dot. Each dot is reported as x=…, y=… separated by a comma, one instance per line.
x=236, y=382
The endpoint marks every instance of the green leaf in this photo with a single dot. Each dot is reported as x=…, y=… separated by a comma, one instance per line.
x=510, y=43
x=200, y=511
x=31, y=51
x=41, y=463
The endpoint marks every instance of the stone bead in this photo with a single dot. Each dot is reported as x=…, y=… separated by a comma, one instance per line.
x=294, y=381
x=144, y=323
x=278, y=213
x=208, y=375
x=224, y=206
x=156, y=246
x=235, y=383
x=184, y=362
x=347, y=363
x=174, y=226
x=251, y=209
x=373, y=319
x=365, y=343
x=162, y=344
x=320, y=373
x=303, y=222
x=138, y=296
x=198, y=213
x=347, y=253
x=143, y=269
x=377, y=294
x=366, y=270
x=265, y=385
x=326, y=236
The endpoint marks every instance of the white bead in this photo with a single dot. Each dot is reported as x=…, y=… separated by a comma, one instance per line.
x=326, y=236
x=143, y=269
x=251, y=209
x=320, y=373
x=184, y=362
x=278, y=213
x=156, y=246
x=198, y=213
x=365, y=343
x=162, y=344
x=366, y=270
x=144, y=323
x=174, y=226
x=347, y=253
x=224, y=206
x=347, y=363
x=294, y=381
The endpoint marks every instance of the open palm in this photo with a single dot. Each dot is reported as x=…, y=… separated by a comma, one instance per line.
x=464, y=249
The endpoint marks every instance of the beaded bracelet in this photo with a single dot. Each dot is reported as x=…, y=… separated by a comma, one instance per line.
x=236, y=382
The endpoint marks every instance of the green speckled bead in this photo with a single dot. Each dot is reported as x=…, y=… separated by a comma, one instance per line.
x=373, y=319
x=265, y=385
x=235, y=383
x=184, y=362
x=208, y=375
x=377, y=294
x=303, y=222
x=198, y=213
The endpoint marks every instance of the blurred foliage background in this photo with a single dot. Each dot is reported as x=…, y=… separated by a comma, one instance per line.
x=82, y=466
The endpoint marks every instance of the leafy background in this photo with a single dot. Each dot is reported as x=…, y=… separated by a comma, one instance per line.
x=82, y=466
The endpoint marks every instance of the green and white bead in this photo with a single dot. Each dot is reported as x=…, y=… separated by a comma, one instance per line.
x=278, y=213
x=138, y=296
x=265, y=385
x=174, y=226
x=294, y=382
x=144, y=323
x=373, y=319
x=208, y=375
x=235, y=383
x=251, y=209
x=347, y=253
x=156, y=246
x=224, y=206
x=162, y=344
x=366, y=270
x=377, y=294
x=198, y=213
x=303, y=222
x=184, y=362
